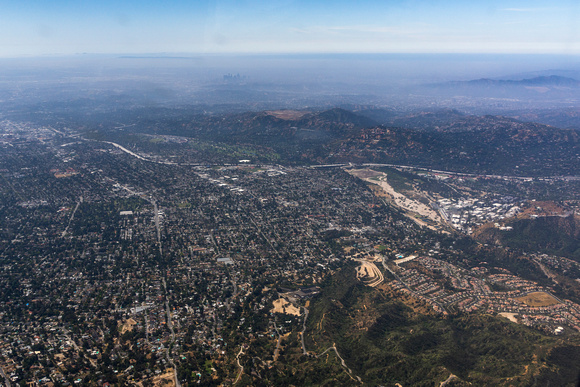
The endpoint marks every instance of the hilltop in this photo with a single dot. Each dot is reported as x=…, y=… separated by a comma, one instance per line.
x=445, y=140
x=476, y=144
x=558, y=235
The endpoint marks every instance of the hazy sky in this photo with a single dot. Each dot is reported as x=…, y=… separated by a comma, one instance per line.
x=40, y=27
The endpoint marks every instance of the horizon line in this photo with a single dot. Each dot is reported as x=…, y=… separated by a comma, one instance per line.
x=198, y=55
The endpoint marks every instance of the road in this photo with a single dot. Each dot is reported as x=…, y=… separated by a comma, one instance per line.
x=217, y=249
x=147, y=326
x=136, y=155
x=546, y=272
x=167, y=310
x=448, y=380
x=239, y=365
x=157, y=225
x=304, y=352
x=72, y=217
x=264, y=236
x=455, y=173
x=342, y=362
x=338, y=165
x=6, y=380
x=77, y=348
x=277, y=350
x=170, y=325
x=408, y=288
x=232, y=298
x=333, y=348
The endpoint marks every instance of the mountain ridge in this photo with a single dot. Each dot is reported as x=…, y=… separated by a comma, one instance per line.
x=543, y=80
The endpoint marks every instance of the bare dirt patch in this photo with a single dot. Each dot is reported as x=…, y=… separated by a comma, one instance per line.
x=59, y=357
x=369, y=274
x=365, y=173
x=283, y=306
x=286, y=114
x=509, y=316
x=537, y=299
x=127, y=325
x=165, y=379
x=378, y=191
x=543, y=208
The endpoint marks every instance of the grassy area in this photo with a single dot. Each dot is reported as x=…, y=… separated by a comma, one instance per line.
x=537, y=299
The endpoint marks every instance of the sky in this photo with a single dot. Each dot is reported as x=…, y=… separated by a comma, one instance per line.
x=65, y=27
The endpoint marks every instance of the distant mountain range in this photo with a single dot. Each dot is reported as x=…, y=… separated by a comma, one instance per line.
x=563, y=87
x=552, y=80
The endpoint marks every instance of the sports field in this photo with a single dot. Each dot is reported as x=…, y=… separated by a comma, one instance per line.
x=538, y=299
